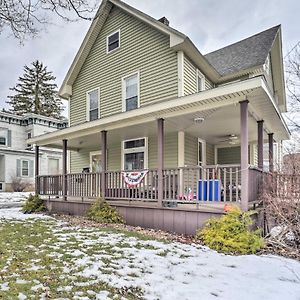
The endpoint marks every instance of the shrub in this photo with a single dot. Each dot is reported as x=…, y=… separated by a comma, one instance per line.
x=231, y=234
x=19, y=185
x=102, y=212
x=33, y=204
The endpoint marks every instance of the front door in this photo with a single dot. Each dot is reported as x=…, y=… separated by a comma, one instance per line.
x=95, y=162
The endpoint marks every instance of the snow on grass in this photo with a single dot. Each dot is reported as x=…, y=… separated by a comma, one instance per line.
x=43, y=257
x=13, y=197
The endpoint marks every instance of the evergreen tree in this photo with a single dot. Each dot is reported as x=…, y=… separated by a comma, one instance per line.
x=36, y=92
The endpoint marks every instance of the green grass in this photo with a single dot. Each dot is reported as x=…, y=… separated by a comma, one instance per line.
x=37, y=258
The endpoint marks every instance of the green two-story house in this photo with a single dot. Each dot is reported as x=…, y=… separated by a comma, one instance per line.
x=143, y=98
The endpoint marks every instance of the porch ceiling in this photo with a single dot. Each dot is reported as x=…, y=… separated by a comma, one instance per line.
x=219, y=108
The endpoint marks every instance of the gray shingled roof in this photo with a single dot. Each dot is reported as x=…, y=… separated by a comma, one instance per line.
x=244, y=54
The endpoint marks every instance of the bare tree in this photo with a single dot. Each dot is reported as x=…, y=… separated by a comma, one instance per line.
x=25, y=18
x=293, y=86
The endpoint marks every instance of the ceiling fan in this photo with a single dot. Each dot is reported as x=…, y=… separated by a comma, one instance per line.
x=232, y=139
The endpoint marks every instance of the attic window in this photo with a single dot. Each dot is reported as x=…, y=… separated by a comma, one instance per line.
x=113, y=41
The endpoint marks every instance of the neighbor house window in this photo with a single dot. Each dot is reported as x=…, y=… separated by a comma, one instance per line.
x=113, y=41
x=53, y=166
x=93, y=105
x=200, y=82
x=24, y=168
x=3, y=136
x=135, y=154
x=131, y=92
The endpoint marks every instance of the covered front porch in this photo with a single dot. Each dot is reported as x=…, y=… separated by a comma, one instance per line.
x=199, y=150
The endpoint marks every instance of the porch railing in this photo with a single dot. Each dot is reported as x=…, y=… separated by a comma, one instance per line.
x=187, y=184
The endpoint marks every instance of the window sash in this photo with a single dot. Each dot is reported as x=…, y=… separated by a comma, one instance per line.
x=131, y=92
x=113, y=41
x=2, y=140
x=131, y=144
x=25, y=168
x=93, y=105
x=134, y=161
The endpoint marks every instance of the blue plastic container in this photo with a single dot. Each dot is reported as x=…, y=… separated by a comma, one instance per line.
x=214, y=191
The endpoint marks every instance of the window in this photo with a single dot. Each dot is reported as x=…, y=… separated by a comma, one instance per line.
x=53, y=166
x=135, y=156
x=29, y=136
x=131, y=92
x=113, y=41
x=24, y=168
x=200, y=82
x=3, y=136
x=93, y=105
x=1, y=186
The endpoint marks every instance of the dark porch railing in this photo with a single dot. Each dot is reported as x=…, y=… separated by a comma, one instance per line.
x=188, y=184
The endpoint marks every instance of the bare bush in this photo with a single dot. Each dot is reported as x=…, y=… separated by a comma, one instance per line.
x=19, y=185
x=281, y=199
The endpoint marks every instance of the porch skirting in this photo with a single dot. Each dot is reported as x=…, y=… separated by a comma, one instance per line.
x=176, y=220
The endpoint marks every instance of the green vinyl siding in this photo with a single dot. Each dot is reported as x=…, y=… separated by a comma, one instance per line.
x=81, y=159
x=190, y=78
x=210, y=154
x=143, y=49
x=190, y=150
x=170, y=151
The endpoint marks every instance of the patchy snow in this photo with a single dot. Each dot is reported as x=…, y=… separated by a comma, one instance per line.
x=17, y=214
x=161, y=270
x=13, y=197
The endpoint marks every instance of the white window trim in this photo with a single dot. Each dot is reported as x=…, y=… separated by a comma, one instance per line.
x=21, y=169
x=124, y=89
x=88, y=103
x=92, y=153
x=135, y=150
x=108, y=52
x=200, y=74
x=203, y=151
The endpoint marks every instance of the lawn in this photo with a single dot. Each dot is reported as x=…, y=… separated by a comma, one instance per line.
x=42, y=258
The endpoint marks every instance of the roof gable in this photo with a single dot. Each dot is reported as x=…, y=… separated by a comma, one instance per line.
x=244, y=54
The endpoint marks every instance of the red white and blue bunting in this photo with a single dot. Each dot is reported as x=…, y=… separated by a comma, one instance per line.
x=133, y=178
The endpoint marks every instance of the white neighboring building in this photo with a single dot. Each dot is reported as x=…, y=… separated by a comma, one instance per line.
x=17, y=157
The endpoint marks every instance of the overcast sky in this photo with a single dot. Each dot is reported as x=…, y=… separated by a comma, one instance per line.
x=211, y=24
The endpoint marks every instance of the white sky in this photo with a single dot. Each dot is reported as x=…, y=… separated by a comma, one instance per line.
x=211, y=24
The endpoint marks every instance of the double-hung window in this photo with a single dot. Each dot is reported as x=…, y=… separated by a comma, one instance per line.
x=3, y=136
x=135, y=154
x=131, y=92
x=93, y=105
x=113, y=41
x=200, y=82
x=24, y=168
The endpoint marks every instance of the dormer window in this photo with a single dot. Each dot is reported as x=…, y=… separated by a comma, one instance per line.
x=113, y=41
x=200, y=82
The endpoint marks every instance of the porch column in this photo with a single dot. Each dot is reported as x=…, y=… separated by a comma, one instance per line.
x=64, y=169
x=271, y=152
x=160, y=159
x=244, y=154
x=37, y=169
x=103, y=161
x=260, y=144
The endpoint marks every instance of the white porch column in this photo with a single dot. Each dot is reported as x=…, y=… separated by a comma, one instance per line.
x=244, y=154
